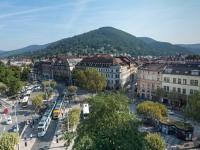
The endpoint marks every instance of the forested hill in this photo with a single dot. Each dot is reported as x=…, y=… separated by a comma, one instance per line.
x=108, y=40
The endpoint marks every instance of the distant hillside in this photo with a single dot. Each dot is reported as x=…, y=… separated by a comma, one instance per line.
x=1, y=51
x=105, y=40
x=29, y=49
x=194, y=48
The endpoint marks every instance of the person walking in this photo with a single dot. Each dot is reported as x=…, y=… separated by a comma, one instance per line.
x=31, y=136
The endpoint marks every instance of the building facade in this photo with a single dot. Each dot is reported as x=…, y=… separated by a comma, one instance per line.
x=181, y=78
x=118, y=71
x=149, y=78
x=58, y=69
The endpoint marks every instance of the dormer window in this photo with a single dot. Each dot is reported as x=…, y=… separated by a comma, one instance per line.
x=195, y=72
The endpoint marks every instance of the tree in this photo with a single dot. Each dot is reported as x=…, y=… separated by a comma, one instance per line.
x=154, y=141
x=8, y=141
x=53, y=84
x=74, y=116
x=72, y=89
x=192, y=109
x=160, y=93
x=37, y=102
x=3, y=88
x=90, y=79
x=25, y=73
x=109, y=125
x=174, y=98
x=152, y=110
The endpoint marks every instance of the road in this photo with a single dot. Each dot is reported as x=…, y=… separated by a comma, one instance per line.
x=22, y=115
x=44, y=142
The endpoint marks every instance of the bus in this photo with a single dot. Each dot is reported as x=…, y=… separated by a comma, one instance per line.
x=57, y=110
x=85, y=110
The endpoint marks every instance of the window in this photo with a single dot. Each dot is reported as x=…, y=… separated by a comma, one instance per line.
x=174, y=80
x=184, y=81
x=179, y=81
x=191, y=91
x=194, y=82
x=179, y=90
x=166, y=79
x=167, y=88
x=158, y=79
x=174, y=89
x=153, y=86
x=184, y=91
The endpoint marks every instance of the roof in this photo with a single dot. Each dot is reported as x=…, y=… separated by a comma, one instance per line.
x=105, y=60
x=183, y=69
x=152, y=67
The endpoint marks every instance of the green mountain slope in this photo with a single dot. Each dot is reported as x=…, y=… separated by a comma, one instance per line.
x=194, y=48
x=108, y=40
x=28, y=49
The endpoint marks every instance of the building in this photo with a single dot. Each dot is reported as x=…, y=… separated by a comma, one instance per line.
x=58, y=69
x=43, y=70
x=149, y=78
x=62, y=68
x=118, y=71
x=183, y=79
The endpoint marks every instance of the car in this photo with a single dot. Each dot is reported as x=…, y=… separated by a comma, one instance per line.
x=14, y=128
x=170, y=112
x=8, y=120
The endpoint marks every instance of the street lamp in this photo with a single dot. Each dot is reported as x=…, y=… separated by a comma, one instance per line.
x=16, y=121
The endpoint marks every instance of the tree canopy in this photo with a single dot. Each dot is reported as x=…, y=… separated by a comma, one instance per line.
x=10, y=76
x=192, y=109
x=153, y=110
x=90, y=79
x=8, y=141
x=110, y=125
x=154, y=141
x=37, y=101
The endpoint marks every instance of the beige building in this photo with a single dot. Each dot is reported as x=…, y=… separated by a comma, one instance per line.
x=149, y=78
x=118, y=71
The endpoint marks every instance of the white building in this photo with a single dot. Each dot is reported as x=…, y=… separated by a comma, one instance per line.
x=181, y=78
x=118, y=70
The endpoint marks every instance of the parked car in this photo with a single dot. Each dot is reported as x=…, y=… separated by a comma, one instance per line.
x=14, y=128
x=170, y=112
x=9, y=120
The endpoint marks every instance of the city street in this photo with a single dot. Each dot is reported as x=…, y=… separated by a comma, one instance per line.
x=22, y=114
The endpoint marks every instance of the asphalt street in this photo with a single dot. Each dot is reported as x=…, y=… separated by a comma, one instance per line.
x=44, y=142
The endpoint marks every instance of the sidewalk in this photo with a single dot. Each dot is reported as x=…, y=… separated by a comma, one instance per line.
x=30, y=142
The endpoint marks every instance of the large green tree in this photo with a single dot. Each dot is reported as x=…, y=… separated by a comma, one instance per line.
x=90, y=79
x=8, y=141
x=110, y=125
x=192, y=109
x=154, y=141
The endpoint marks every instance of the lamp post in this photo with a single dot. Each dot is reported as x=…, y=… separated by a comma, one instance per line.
x=16, y=121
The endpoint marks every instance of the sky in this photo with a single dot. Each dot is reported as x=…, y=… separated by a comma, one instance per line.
x=27, y=22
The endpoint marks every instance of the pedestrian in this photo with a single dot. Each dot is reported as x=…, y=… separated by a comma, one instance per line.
x=31, y=136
